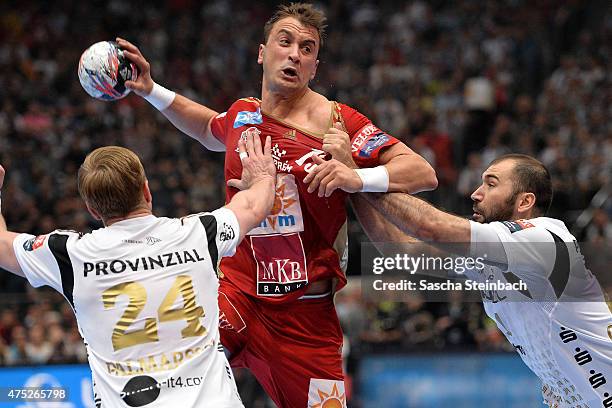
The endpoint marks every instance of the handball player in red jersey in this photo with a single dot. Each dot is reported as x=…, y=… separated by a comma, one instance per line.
x=276, y=295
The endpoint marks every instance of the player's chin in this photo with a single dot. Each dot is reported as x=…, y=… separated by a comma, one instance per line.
x=478, y=217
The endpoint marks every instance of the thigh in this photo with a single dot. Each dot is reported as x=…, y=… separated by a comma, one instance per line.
x=235, y=310
x=296, y=355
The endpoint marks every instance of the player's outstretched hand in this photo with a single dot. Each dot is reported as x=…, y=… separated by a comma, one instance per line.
x=257, y=163
x=144, y=83
x=338, y=143
x=330, y=175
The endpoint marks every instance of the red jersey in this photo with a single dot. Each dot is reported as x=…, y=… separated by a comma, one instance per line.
x=304, y=239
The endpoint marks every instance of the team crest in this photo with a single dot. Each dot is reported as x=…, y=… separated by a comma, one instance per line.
x=227, y=233
x=243, y=136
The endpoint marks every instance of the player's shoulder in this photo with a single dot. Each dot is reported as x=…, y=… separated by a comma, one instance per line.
x=352, y=120
x=538, y=229
x=245, y=104
x=196, y=219
x=346, y=111
x=56, y=238
x=221, y=220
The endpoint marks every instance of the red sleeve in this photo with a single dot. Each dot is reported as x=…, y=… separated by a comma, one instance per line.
x=218, y=127
x=367, y=141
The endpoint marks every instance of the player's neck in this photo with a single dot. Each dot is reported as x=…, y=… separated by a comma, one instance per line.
x=142, y=212
x=281, y=104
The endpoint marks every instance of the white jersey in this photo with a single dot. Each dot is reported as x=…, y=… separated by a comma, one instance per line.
x=561, y=325
x=144, y=291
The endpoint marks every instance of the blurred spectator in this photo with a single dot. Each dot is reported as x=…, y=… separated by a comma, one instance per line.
x=16, y=352
x=38, y=349
x=600, y=228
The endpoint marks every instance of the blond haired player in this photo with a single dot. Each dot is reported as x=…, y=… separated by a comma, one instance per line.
x=144, y=289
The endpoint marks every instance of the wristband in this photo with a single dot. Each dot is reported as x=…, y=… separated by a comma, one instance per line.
x=375, y=180
x=160, y=97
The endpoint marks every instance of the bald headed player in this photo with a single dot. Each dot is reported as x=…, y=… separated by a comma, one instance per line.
x=561, y=326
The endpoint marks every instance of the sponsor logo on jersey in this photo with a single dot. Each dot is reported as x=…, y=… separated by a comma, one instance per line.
x=584, y=358
x=518, y=225
x=140, y=390
x=248, y=118
x=227, y=233
x=373, y=143
x=281, y=264
x=34, y=243
x=308, y=167
x=277, y=155
x=286, y=214
x=144, y=263
x=326, y=393
x=363, y=135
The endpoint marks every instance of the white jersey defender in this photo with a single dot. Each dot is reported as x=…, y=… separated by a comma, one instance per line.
x=561, y=326
x=144, y=291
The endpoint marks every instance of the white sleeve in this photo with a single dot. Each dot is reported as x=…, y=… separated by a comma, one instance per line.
x=41, y=258
x=528, y=248
x=222, y=231
x=486, y=243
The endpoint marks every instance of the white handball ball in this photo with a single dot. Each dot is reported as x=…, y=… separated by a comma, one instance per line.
x=103, y=70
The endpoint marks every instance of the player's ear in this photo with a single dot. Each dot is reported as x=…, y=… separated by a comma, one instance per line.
x=93, y=212
x=147, y=192
x=526, y=203
x=314, y=72
x=260, y=54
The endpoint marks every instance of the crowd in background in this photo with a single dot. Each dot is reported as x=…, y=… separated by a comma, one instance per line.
x=460, y=82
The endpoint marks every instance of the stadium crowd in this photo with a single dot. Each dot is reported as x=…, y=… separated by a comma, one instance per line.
x=461, y=82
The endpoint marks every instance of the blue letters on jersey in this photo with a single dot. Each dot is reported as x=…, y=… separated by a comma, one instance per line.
x=248, y=118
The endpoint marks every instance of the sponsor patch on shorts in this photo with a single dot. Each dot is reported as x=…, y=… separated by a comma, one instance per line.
x=326, y=393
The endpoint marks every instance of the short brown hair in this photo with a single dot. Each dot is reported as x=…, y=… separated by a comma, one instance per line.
x=111, y=181
x=530, y=176
x=305, y=13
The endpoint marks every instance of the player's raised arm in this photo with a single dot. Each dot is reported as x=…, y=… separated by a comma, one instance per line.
x=254, y=202
x=8, y=260
x=188, y=116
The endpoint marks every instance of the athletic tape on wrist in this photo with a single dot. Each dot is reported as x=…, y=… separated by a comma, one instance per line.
x=375, y=180
x=160, y=97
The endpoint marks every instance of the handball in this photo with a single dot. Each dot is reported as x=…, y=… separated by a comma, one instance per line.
x=103, y=70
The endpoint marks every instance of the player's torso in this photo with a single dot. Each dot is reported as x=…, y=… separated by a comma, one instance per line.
x=146, y=302
x=304, y=237
x=563, y=341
